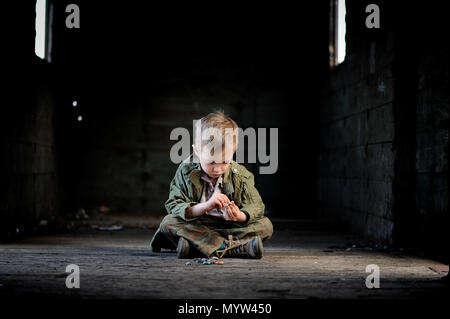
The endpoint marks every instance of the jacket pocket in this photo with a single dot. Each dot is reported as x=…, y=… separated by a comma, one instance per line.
x=247, y=193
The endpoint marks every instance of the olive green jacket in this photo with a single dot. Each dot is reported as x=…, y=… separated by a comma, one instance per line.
x=186, y=190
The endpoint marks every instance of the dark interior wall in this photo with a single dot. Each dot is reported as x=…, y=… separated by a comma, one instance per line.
x=432, y=131
x=137, y=72
x=29, y=175
x=356, y=161
x=124, y=161
x=422, y=97
x=383, y=162
x=119, y=153
x=138, y=77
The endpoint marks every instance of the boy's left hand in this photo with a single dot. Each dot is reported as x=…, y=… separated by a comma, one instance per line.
x=233, y=213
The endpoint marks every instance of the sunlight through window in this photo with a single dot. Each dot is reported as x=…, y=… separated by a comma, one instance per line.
x=41, y=21
x=341, y=31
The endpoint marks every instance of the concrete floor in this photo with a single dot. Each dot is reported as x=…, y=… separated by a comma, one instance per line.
x=298, y=263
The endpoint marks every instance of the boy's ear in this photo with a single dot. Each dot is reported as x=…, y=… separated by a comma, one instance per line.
x=195, y=149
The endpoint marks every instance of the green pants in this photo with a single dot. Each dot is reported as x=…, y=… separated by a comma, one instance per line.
x=206, y=233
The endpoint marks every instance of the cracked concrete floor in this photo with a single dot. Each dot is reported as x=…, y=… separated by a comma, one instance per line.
x=297, y=264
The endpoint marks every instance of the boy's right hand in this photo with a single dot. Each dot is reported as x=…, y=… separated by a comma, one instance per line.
x=217, y=200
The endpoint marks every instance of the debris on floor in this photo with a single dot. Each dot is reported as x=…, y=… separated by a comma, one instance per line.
x=113, y=227
x=81, y=214
x=104, y=209
x=207, y=261
x=439, y=269
x=43, y=222
x=368, y=246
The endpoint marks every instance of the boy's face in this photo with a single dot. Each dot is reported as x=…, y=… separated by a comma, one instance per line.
x=210, y=165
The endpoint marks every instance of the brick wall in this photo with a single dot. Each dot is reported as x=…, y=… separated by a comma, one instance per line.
x=431, y=165
x=383, y=160
x=29, y=171
x=356, y=162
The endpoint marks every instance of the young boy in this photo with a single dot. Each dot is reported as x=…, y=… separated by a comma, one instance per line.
x=213, y=206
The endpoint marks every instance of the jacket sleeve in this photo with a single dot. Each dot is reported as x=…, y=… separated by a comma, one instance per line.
x=252, y=204
x=179, y=200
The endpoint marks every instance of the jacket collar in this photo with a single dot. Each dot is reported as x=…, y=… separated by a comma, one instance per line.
x=196, y=172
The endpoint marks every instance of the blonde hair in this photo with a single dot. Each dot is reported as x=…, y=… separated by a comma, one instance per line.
x=213, y=124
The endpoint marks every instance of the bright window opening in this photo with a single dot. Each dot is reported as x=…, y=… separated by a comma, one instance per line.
x=341, y=28
x=337, y=46
x=41, y=23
